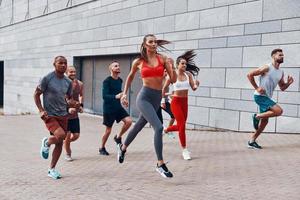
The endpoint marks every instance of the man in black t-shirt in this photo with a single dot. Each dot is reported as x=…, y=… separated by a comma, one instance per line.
x=112, y=108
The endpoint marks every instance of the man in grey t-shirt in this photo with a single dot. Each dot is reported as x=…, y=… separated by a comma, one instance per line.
x=270, y=76
x=57, y=91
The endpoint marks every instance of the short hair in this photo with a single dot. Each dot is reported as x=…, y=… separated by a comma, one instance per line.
x=110, y=65
x=71, y=67
x=275, y=51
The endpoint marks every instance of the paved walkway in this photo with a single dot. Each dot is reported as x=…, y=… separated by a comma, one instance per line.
x=222, y=166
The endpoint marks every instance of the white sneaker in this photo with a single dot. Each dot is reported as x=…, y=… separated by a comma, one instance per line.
x=68, y=158
x=186, y=154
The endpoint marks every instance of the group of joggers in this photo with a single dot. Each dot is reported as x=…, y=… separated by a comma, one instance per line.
x=63, y=100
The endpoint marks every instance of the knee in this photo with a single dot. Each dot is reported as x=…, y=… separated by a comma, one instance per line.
x=60, y=137
x=107, y=131
x=128, y=122
x=279, y=112
x=160, y=129
x=75, y=136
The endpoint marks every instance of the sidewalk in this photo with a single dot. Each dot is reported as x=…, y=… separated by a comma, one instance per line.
x=222, y=166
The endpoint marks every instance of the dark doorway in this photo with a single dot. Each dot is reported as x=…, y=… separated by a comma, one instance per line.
x=1, y=83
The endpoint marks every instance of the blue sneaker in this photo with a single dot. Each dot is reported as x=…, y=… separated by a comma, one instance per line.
x=53, y=173
x=255, y=121
x=44, y=152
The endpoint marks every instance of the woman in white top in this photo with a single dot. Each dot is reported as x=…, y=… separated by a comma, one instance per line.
x=186, y=68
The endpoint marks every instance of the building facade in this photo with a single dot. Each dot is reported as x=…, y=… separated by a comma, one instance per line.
x=230, y=37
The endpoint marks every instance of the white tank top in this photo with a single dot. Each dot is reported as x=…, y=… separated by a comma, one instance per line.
x=270, y=80
x=182, y=85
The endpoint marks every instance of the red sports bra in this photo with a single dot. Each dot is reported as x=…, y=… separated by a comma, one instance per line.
x=157, y=71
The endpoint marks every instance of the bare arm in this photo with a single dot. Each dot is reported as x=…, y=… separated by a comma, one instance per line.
x=81, y=97
x=193, y=83
x=129, y=79
x=81, y=94
x=284, y=85
x=38, y=103
x=257, y=72
x=169, y=66
x=166, y=85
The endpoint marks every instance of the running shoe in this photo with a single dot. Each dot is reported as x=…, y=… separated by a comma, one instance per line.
x=117, y=140
x=102, y=151
x=54, y=173
x=44, y=152
x=68, y=158
x=186, y=154
x=163, y=171
x=254, y=145
x=121, y=154
x=169, y=134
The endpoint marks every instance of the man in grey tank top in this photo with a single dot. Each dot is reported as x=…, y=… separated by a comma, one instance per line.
x=270, y=75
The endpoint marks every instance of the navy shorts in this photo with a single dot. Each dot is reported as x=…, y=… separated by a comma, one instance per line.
x=110, y=118
x=74, y=125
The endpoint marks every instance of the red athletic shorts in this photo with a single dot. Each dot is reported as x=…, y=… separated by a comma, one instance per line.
x=55, y=122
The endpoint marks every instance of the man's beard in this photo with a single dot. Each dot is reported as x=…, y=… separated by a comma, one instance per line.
x=279, y=61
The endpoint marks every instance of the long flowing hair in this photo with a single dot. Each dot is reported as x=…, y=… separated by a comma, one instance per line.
x=189, y=56
x=160, y=46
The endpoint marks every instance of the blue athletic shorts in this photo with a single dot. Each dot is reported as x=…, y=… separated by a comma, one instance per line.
x=264, y=103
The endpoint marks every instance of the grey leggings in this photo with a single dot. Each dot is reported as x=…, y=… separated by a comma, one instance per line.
x=148, y=102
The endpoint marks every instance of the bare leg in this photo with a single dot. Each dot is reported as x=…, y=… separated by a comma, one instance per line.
x=261, y=127
x=105, y=136
x=59, y=136
x=127, y=123
x=71, y=137
x=274, y=111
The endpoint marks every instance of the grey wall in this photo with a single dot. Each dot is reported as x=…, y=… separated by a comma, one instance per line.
x=230, y=36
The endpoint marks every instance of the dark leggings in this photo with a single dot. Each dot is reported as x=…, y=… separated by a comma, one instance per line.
x=148, y=102
x=167, y=110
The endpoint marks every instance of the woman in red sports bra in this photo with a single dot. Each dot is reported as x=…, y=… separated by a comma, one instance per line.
x=152, y=66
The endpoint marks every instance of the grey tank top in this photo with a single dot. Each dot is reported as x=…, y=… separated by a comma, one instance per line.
x=269, y=80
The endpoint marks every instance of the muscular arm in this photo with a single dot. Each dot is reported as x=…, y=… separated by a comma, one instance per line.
x=256, y=72
x=284, y=85
x=69, y=99
x=37, y=99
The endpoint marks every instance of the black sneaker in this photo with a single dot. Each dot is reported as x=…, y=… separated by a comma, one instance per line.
x=118, y=140
x=163, y=171
x=102, y=151
x=121, y=153
x=255, y=121
x=254, y=145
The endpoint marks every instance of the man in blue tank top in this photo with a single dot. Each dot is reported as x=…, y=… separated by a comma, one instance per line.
x=270, y=75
